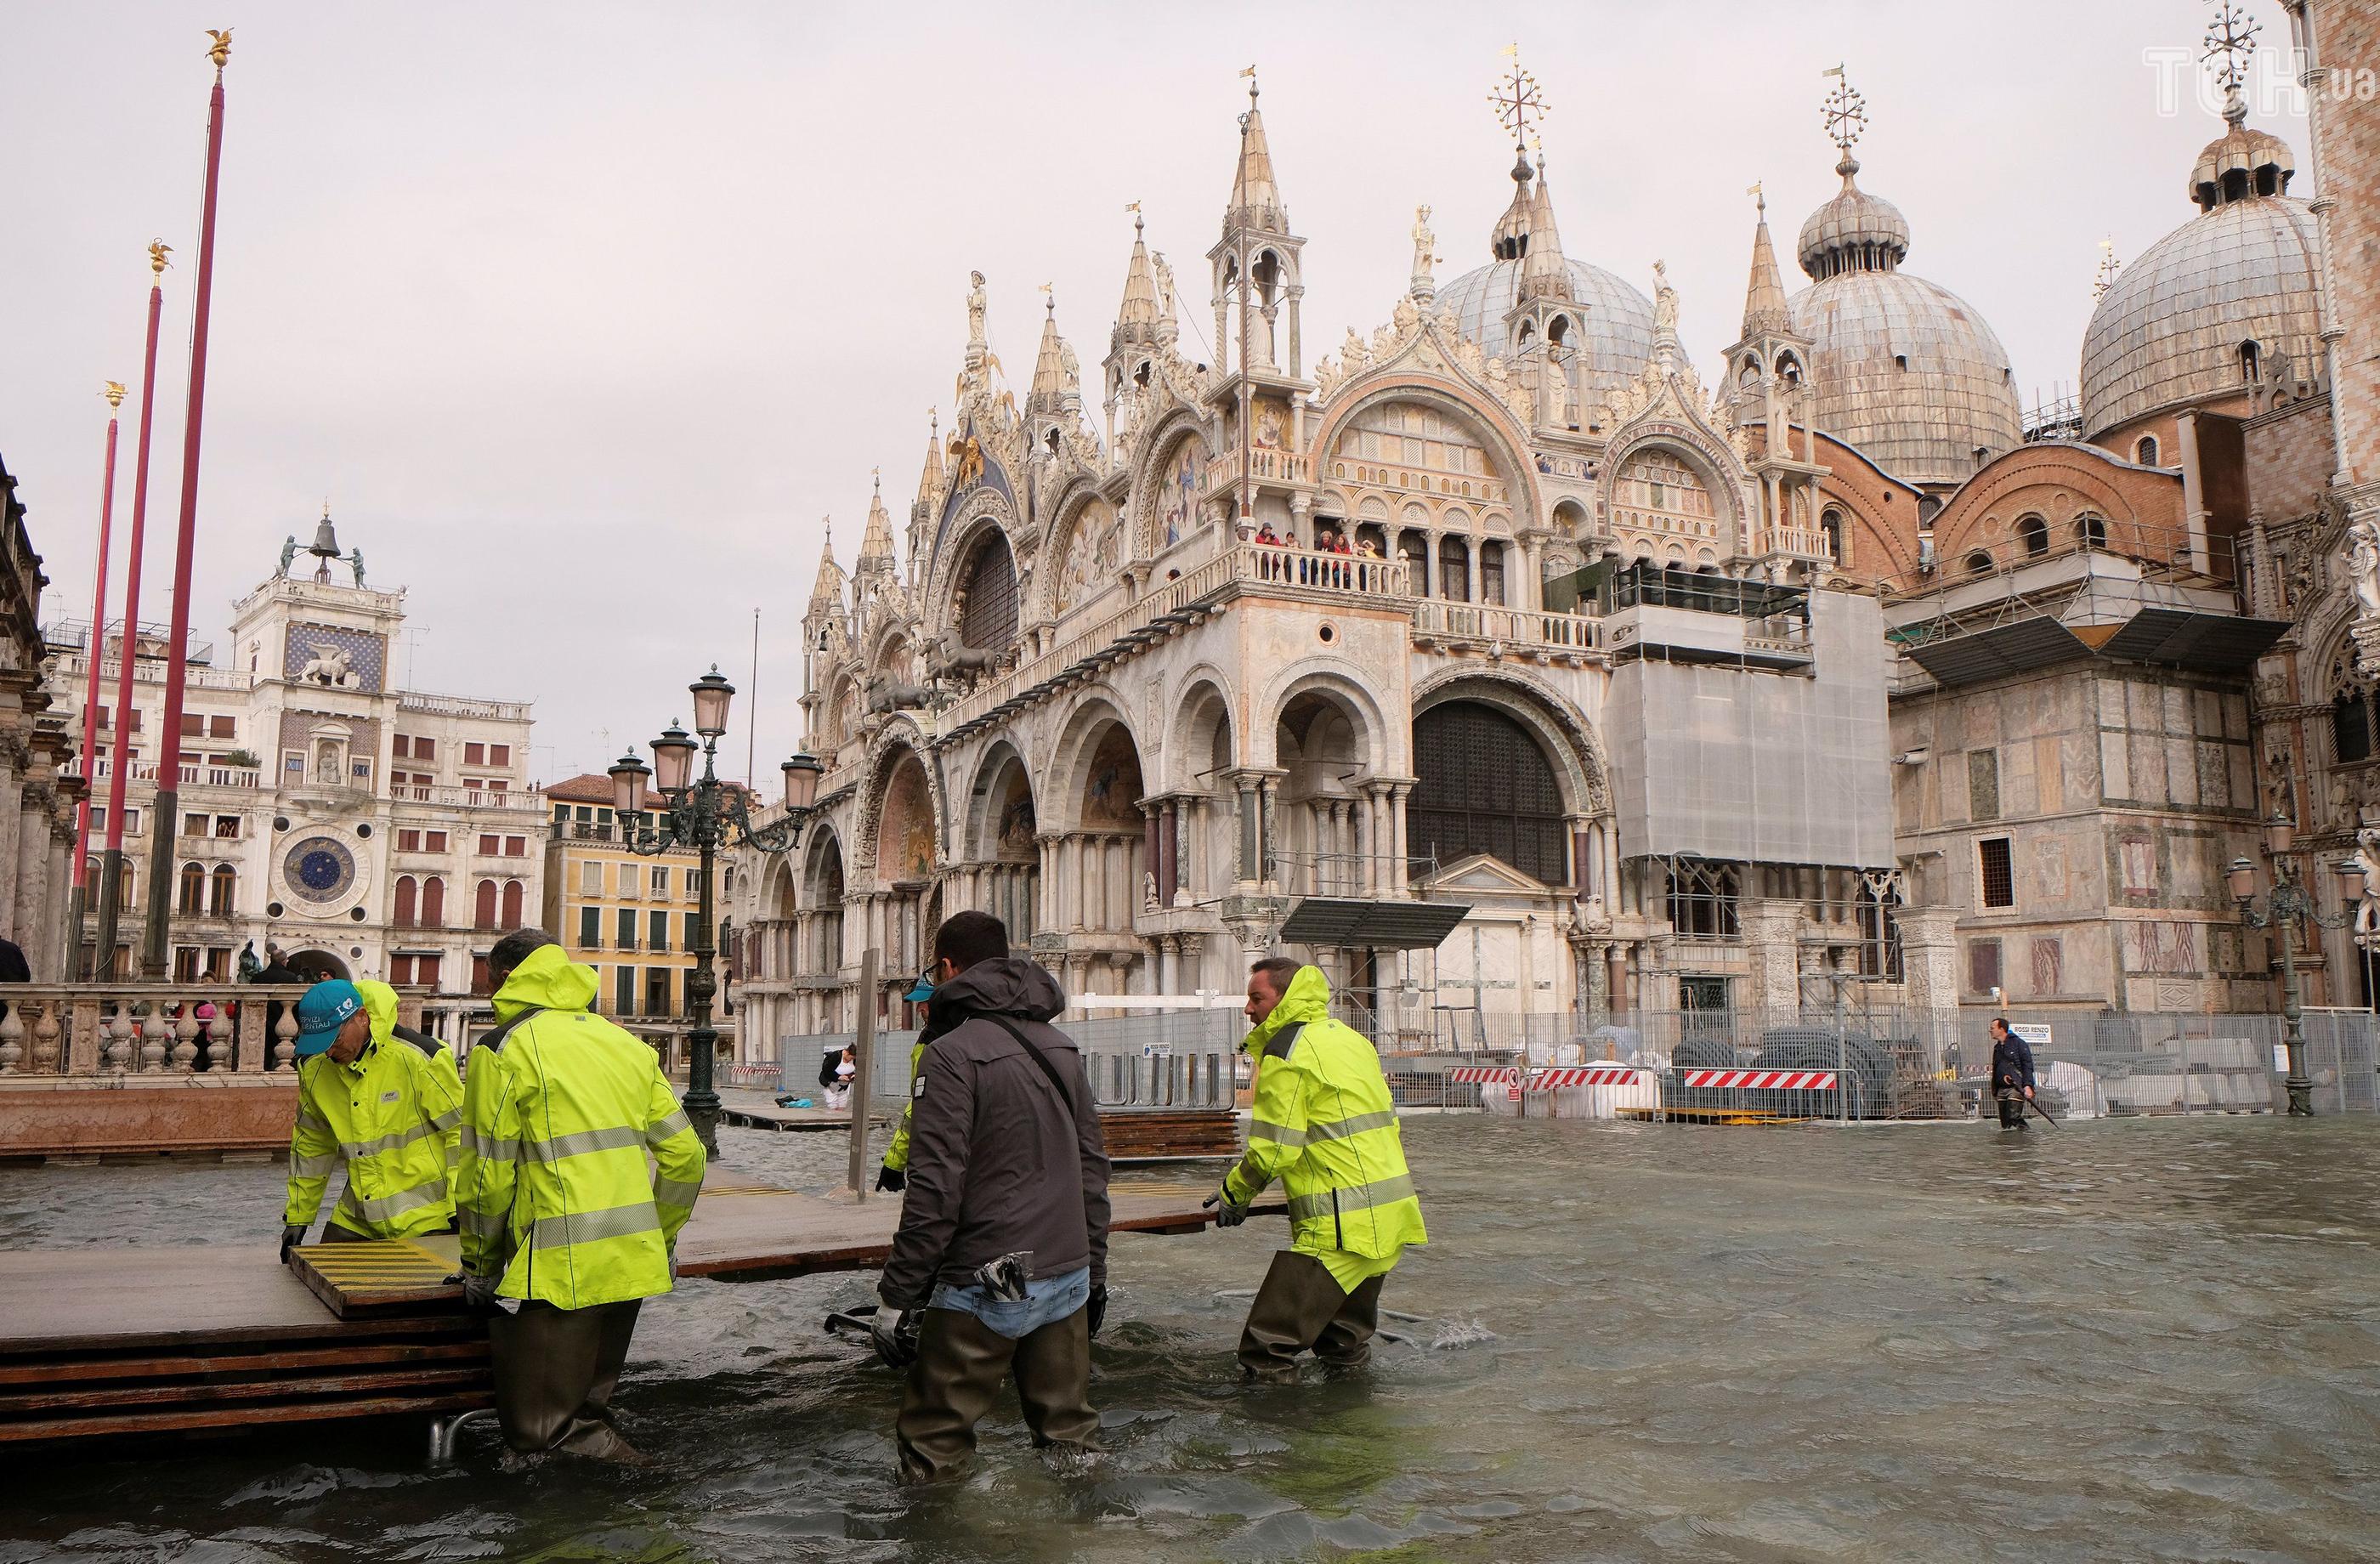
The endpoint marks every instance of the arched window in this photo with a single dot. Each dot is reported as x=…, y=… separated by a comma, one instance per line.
x=2091, y=530
x=1491, y=574
x=191, y=898
x=1830, y=523
x=2145, y=451
x=2033, y=533
x=2351, y=726
x=407, y=901
x=1485, y=786
x=1413, y=549
x=511, y=909
x=2251, y=357
x=434, y=902
x=1789, y=368
x=1454, y=568
x=483, y=912
x=1979, y=564
x=987, y=593
x=226, y=882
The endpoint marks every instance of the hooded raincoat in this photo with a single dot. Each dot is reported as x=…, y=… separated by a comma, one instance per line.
x=391, y=1119
x=559, y=1114
x=1324, y=1124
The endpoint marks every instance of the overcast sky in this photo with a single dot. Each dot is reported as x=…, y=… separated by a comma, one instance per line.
x=582, y=316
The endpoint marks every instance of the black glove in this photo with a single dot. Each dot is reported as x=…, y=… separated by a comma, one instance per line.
x=894, y=1333
x=892, y=1178
x=1098, y=1308
x=292, y=1236
x=1228, y=1213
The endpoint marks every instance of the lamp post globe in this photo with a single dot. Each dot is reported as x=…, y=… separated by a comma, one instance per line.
x=711, y=694
x=629, y=776
x=2241, y=877
x=802, y=773
x=673, y=760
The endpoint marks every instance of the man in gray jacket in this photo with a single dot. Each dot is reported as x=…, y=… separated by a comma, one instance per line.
x=999, y=1267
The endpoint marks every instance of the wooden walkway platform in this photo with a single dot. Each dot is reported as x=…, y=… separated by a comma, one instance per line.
x=1133, y=1134
x=122, y=1339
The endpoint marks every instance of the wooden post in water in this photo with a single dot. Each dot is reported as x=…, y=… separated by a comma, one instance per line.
x=863, y=1054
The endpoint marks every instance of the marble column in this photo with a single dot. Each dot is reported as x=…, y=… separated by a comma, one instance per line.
x=1251, y=831
x=1167, y=855
x=1155, y=823
x=29, y=920
x=1598, y=987
x=14, y=755
x=1268, y=832
x=1401, y=851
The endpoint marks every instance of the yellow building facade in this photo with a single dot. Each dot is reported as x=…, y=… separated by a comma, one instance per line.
x=630, y=917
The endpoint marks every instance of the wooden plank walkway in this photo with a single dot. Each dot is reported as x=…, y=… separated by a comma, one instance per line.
x=124, y=1340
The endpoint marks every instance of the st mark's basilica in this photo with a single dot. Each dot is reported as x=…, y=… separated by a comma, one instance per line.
x=1503, y=663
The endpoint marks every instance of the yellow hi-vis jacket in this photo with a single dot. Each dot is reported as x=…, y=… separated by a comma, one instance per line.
x=1323, y=1122
x=560, y=1108
x=896, y=1156
x=391, y=1119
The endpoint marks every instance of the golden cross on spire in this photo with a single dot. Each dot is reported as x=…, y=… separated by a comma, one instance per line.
x=1517, y=98
x=2233, y=36
x=1845, y=111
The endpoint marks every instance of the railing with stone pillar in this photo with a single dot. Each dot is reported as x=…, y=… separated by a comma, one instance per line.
x=55, y=1031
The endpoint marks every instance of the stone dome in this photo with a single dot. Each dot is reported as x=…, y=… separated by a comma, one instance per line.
x=1615, y=339
x=1852, y=227
x=1901, y=367
x=2170, y=329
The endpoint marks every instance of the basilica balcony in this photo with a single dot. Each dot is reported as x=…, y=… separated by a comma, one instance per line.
x=1572, y=639
x=1279, y=467
x=1244, y=570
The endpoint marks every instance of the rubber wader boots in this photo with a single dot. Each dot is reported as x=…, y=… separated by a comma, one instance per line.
x=961, y=1361
x=555, y=1370
x=1300, y=1307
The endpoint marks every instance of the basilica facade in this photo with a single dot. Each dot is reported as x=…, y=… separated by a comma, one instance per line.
x=1647, y=682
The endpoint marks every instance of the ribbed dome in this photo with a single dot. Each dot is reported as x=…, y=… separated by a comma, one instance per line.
x=1907, y=372
x=2171, y=328
x=1853, y=232
x=1615, y=340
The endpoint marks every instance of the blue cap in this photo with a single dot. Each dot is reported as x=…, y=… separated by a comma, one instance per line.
x=321, y=1011
x=923, y=988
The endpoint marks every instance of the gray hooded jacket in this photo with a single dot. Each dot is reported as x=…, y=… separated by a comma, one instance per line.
x=999, y=1160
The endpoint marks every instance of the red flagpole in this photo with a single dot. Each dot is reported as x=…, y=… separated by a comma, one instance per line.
x=80, y=897
x=111, y=868
x=169, y=741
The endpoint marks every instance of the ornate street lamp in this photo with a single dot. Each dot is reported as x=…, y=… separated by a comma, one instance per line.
x=2289, y=903
x=701, y=813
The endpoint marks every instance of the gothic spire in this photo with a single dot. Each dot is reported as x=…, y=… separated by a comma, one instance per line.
x=1764, y=295
x=876, y=544
x=1255, y=197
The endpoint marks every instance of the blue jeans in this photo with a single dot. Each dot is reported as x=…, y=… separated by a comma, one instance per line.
x=1044, y=1302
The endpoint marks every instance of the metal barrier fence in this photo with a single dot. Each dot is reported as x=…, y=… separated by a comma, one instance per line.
x=1890, y=1063
x=2090, y=1062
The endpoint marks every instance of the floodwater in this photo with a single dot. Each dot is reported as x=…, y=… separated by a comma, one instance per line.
x=2114, y=1341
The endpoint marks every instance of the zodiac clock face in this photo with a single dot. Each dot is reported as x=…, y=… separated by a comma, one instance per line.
x=319, y=870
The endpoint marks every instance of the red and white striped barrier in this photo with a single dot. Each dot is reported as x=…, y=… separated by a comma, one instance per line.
x=1484, y=1074
x=1589, y=1075
x=1761, y=1080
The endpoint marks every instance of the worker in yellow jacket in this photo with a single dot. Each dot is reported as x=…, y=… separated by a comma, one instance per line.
x=380, y=1100
x=1324, y=1124
x=560, y=1216
x=894, y=1175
